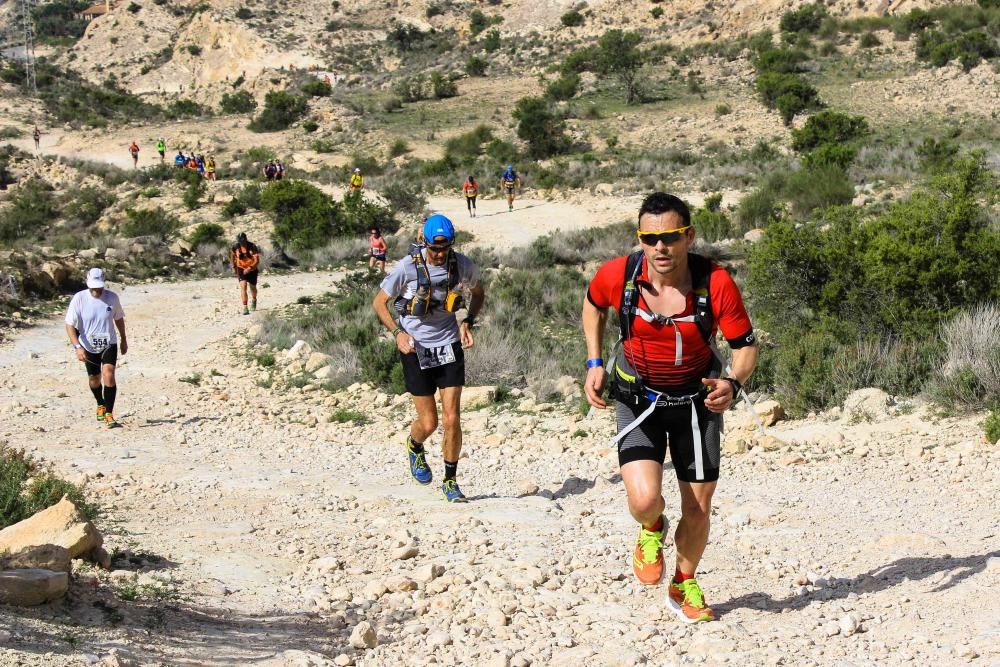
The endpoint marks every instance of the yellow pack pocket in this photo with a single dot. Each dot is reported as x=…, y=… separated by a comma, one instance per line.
x=454, y=302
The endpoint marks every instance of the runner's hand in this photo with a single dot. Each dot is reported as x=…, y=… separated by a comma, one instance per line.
x=123, y=347
x=720, y=396
x=81, y=354
x=405, y=344
x=593, y=386
x=465, y=333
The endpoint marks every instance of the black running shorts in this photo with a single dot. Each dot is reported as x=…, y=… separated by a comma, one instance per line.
x=673, y=428
x=95, y=360
x=249, y=276
x=424, y=382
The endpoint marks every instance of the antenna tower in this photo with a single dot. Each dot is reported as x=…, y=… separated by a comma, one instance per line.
x=28, y=42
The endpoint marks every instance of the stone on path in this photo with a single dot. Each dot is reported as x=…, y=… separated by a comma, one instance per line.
x=27, y=588
x=363, y=636
x=62, y=525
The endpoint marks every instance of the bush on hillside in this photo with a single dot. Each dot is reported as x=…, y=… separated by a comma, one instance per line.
x=31, y=209
x=476, y=66
x=207, y=233
x=538, y=124
x=280, y=110
x=361, y=214
x=442, y=86
x=242, y=101
x=316, y=88
x=60, y=18
x=150, y=222
x=304, y=216
x=404, y=197
x=564, y=88
x=26, y=488
x=572, y=19
x=970, y=374
x=468, y=145
x=807, y=18
x=84, y=206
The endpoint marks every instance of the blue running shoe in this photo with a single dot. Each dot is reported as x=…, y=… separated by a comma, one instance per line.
x=452, y=493
x=418, y=464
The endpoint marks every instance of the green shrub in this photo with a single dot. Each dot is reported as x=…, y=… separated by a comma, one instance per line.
x=572, y=19
x=404, y=197
x=538, y=125
x=27, y=488
x=361, y=214
x=309, y=125
x=491, y=41
x=723, y=109
x=712, y=225
x=868, y=41
x=656, y=12
x=476, y=66
x=316, y=88
x=779, y=60
x=969, y=374
x=242, y=101
x=346, y=415
x=194, y=187
x=207, y=233
x=304, y=216
x=828, y=127
x=937, y=155
x=442, y=86
x=59, y=19
x=244, y=13
x=84, y=206
x=194, y=49
x=280, y=110
x=823, y=186
x=479, y=21
x=807, y=18
x=563, y=88
x=991, y=426
x=468, y=145
x=150, y=222
x=31, y=209
x=411, y=89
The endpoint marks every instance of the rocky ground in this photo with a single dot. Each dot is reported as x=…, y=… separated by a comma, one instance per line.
x=247, y=527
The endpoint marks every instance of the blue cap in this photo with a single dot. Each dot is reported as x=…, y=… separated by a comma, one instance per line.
x=438, y=225
x=510, y=167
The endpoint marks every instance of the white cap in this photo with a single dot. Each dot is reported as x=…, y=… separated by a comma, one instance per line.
x=357, y=171
x=95, y=278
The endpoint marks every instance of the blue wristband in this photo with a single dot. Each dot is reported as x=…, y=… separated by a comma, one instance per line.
x=595, y=362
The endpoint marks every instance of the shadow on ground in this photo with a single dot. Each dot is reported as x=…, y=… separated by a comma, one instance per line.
x=873, y=581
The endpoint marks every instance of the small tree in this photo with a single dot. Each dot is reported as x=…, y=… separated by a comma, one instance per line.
x=618, y=55
x=572, y=18
x=537, y=124
x=443, y=86
x=476, y=66
x=563, y=88
x=242, y=101
x=280, y=111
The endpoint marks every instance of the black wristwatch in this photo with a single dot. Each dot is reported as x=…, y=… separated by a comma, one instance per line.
x=471, y=321
x=737, y=386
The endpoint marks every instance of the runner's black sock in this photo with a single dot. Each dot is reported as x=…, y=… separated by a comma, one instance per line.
x=98, y=392
x=450, y=469
x=416, y=447
x=109, y=398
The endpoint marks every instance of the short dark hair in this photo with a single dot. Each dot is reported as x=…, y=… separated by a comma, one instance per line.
x=661, y=202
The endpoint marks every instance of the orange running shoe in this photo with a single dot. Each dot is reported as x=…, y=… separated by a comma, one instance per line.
x=101, y=410
x=687, y=601
x=647, y=562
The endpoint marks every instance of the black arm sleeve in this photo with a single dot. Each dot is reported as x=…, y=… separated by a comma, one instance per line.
x=745, y=340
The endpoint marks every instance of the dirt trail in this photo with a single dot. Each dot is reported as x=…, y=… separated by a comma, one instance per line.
x=277, y=532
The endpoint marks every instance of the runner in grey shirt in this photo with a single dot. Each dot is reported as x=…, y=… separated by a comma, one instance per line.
x=423, y=291
x=95, y=325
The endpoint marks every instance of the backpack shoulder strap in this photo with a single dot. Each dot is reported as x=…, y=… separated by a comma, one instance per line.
x=701, y=275
x=630, y=293
x=453, y=277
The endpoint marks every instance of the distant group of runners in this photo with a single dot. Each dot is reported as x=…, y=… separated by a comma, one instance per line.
x=667, y=383
x=197, y=163
x=273, y=170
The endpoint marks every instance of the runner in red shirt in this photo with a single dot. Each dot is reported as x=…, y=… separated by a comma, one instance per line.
x=378, y=249
x=666, y=384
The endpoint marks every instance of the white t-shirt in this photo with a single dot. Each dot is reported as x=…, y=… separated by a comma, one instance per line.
x=95, y=319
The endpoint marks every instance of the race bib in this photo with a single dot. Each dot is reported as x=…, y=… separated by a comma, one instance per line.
x=100, y=342
x=432, y=357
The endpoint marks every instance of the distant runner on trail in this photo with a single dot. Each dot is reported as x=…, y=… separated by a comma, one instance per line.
x=508, y=181
x=210, y=168
x=666, y=385
x=180, y=159
x=357, y=181
x=244, y=257
x=37, y=136
x=379, y=248
x=161, y=148
x=471, y=191
x=93, y=316
x=134, y=150
x=425, y=289
x=279, y=170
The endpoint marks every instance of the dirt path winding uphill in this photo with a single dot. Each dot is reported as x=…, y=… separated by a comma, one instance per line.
x=266, y=534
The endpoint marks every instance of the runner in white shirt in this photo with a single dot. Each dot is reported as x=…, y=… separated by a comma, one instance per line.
x=94, y=323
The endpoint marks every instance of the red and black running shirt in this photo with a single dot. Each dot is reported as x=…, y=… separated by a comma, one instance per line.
x=651, y=347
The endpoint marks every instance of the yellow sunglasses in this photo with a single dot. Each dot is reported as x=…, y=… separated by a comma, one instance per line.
x=652, y=238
